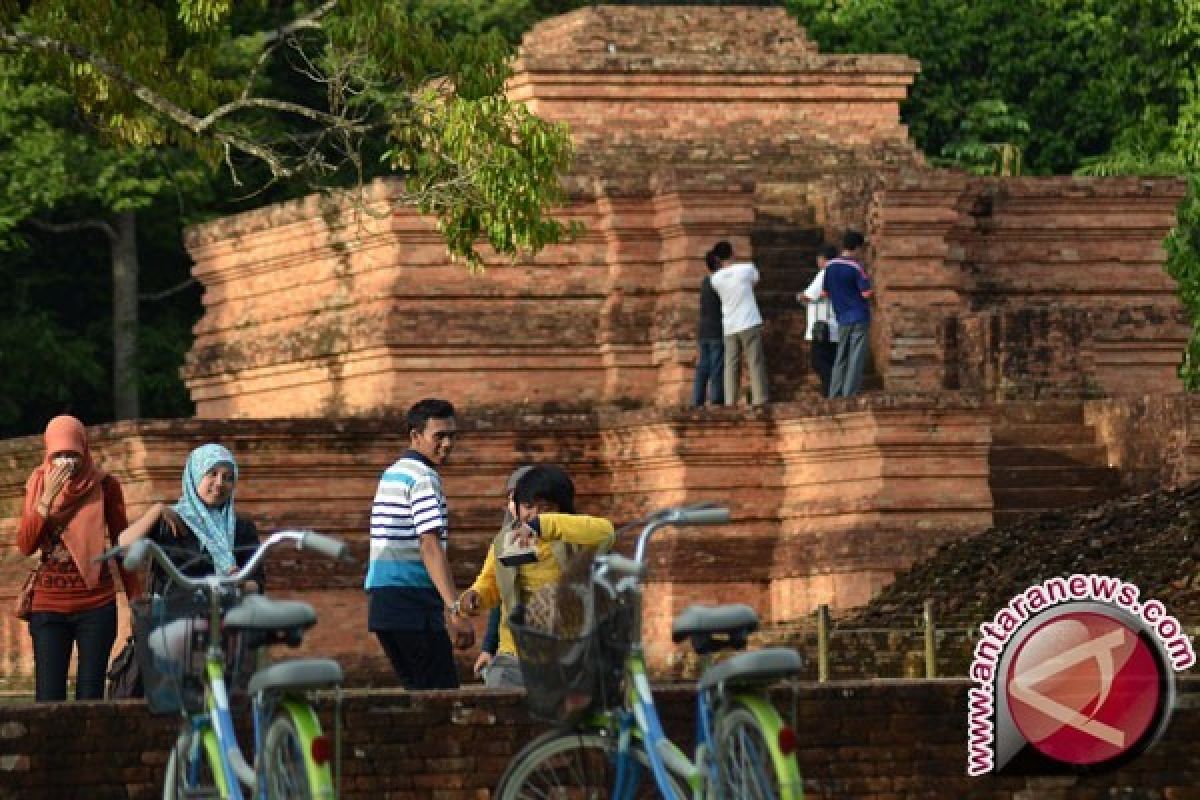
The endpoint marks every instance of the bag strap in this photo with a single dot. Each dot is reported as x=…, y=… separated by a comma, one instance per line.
x=55, y=540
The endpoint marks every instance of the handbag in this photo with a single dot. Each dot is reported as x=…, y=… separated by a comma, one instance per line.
x=23, y=604
x=821, y=331
x=124, y=678
x=125, y=675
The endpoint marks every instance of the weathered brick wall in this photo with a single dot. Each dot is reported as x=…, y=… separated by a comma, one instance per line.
x=1152, y=440
x=669, y=72
x=876, y=740
x=308, y=313
x=691, y=131
x=1025, y=287
x=693, y=125
x=828, y=502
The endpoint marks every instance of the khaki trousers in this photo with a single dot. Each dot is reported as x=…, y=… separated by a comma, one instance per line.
x=749, y=340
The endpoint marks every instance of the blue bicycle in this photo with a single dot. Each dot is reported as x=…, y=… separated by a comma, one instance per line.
x=181, y=646
x=594, y=683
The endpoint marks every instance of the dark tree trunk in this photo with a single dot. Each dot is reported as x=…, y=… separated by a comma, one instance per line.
x=125, y=316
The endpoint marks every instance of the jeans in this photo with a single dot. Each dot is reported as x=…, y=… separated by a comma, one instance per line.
x=55, y=635
x=421, y=659
x=851, y=359
x=749, y=340
x=710, y=373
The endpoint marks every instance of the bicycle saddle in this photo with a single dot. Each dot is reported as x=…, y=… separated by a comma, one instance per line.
x=300, y=673
x=761, y=666
x=259, y=613
x=713, y=628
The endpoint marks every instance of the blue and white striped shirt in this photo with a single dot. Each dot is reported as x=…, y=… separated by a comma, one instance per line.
x=409, y=503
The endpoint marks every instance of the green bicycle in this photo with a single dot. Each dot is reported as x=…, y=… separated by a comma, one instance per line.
x=596, y=686
x=185, y=667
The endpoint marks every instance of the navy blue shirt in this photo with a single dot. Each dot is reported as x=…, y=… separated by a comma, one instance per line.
x=710, y=312
x=845, y=281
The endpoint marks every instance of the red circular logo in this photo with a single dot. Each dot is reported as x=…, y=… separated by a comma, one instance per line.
x=1084, y=688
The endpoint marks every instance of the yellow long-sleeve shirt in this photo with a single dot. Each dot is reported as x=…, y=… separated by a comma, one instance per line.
x=570, y=528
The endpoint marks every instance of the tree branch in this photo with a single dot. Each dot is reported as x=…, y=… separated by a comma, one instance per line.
x=73, y=227
x=309, y=21
x=164, y=106
x=232, y=107
x=165, y=293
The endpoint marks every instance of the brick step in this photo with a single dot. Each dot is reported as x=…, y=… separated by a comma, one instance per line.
x=1039, y=413
x=1033, y=476
x=1042, y=434
x=1063, y=455
x=1051, y=498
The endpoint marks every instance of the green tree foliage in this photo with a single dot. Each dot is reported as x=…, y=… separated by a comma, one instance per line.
x=1048, y=62
x=181, y=111
x=64, y=183
x=991, y=140
x=206, y=75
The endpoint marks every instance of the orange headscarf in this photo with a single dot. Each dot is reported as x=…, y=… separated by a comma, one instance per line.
x=79, y=507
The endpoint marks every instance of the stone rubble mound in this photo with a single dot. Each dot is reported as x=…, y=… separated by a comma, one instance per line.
x=1150, y=540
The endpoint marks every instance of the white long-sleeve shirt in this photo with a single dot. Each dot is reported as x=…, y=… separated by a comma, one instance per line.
x=735, y=286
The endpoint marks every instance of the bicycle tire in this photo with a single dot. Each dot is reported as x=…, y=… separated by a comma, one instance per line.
x=577, y=765
x=749, y=764
x=176, y=785
x=285, y=764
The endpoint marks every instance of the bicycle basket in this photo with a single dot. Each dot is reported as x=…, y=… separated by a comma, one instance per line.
x=170, y=641
x=567, y=676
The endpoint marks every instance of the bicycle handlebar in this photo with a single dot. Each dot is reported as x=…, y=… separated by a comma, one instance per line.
x=699, y=514
x=137, y=553
x=629, y=571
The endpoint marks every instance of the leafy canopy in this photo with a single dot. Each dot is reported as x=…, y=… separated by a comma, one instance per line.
x=319, y=92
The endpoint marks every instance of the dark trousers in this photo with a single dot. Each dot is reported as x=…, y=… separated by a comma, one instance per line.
x=421, y=659
x=710, y=373
x=851, y=359
x=823, y=356
x=55, y=635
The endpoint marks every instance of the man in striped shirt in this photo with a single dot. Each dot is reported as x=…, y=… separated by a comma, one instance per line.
x=411, y=597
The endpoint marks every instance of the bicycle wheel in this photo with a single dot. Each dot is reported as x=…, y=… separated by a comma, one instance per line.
x=285, y=767
x=176, y=781
x=749, y=764
x=580, y=766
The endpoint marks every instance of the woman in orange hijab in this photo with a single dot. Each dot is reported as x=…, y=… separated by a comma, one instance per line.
x=73, y=512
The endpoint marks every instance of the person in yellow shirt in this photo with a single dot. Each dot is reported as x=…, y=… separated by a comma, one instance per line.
x=544, y=511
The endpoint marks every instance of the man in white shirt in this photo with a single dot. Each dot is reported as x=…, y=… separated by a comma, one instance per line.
x=741, y=323
x=819, y=308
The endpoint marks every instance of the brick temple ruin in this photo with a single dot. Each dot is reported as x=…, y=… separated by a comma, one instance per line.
x=1025, y=343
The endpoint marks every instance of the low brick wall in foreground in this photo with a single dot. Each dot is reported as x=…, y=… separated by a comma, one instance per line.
x=877, y=740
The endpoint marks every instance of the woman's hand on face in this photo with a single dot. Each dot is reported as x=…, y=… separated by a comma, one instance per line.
x=56, y=479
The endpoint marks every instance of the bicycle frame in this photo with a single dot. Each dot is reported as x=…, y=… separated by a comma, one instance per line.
x=213, y=734
x=639, y=716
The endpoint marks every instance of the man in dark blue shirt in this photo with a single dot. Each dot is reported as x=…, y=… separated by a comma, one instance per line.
x=849, y=290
